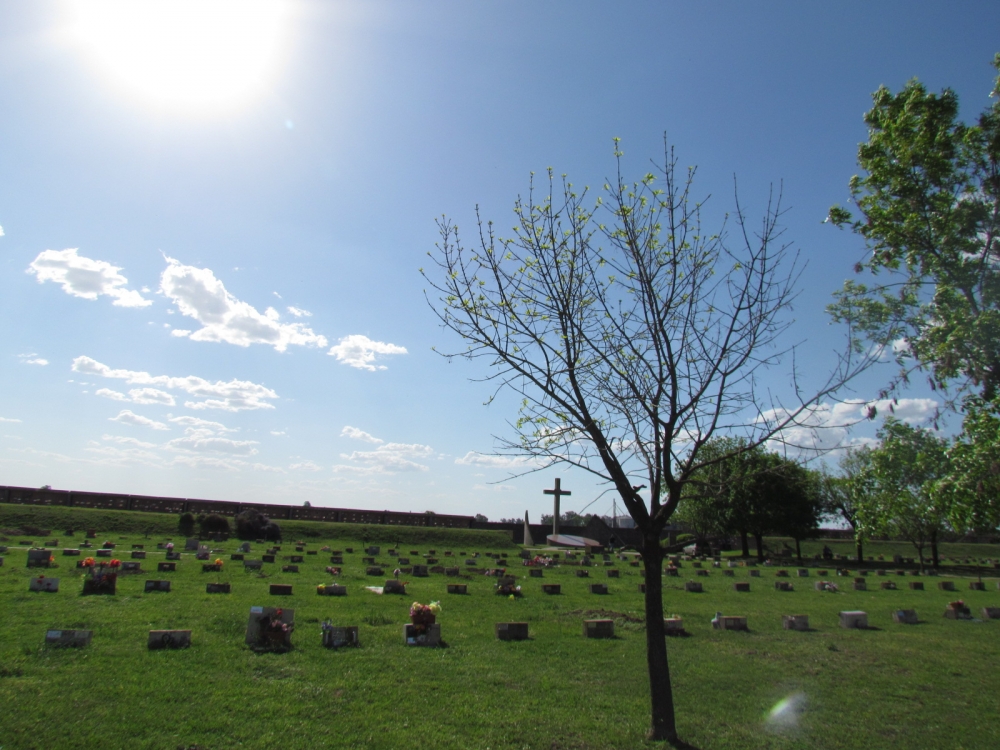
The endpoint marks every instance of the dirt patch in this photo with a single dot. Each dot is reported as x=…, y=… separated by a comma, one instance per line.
x=607, y=614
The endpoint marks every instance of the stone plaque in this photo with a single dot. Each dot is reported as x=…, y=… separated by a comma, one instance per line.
x=854, y=619
x=741, y=586
x=173, y=555
x=729, y=622
x=783, y=586
x=267, y=558
x=551, y=588
x=457, y=588
x=795, y=622
x=40, y=558
x=598, y=588
x=259, y=637
x=612, y=573
x=511, y=631
x=217, y=588
x=289, y=568
x=253, y=564
x=131, y=567
x=168, y=639
x=373, y=570
x=340, y=637
x=430, y=636
x=583, y=574
x=43, y=584
x=536, y=572
x=281, y=589
x=166, y=567
x=157, y=586
x=598, y=628
x=694, y=587
x=420, y=571
x=332, y=589
x=71, y=553
x=905, y=617
x=68, y=638
x=946, y=585
x=236, y=556
x=393, y=586
x=103, y=553
x=916, y=585
x=138, y=554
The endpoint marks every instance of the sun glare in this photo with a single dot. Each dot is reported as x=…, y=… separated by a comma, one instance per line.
x=199, y=55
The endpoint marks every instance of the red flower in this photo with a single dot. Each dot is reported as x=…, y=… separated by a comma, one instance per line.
x=114, y=563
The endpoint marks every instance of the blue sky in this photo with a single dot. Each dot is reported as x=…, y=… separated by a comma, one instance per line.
x=209, y=268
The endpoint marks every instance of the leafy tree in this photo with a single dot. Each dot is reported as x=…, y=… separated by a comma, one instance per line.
x=974, y=483
x=186, y=523
x=481, y=518
x=907, y=473
x=929, y=210
x=213, y=523
x=844, y=494
x=569, y=518
x=252, y=524
x=632, y=336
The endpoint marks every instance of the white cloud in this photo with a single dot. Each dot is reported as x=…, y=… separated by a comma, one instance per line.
x=200, y=423
x=1, y=231
x=299, y=312
x=136, y=420
x=388, y=458
x=138, y=396
x=234, y=395
x=127, y=441
x=278, y=433
x=359, y=351
x=36, y=361
x=200, y=443
x=827, y=426
x=495, y=462
x=85, y=277
x=5, y=419
x=223, y=464
x=306, y=466
x=494, y=488
x=200, y=295
x=356, y=434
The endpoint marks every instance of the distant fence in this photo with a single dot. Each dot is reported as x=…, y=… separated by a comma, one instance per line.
x=145, y=503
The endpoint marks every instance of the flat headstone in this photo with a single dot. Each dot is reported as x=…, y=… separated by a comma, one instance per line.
x=131, y=567
x=166, y=567
x=253, y=564
x=236, y=556
x=281, y=589
x=218, y=588
x=403, y=560
x=888, y=586
x=71, y=553
x=671, y=571
x=741, y=586
x=43, y=584
x=289, y=568
x=860, y=585
x=977, y=586
x=598, y=588
x=68, y=638
x=41, y=558
x=582, y=573
x=168, y=639
x=729, y=622
x=256, y=634
x=332, y=589
x=755, y=574
x=267, y=558
x=157, y=586
x=783, y=586
x=138, y=554
x=673, y=625
x=511, y=631
x=393, y=586
x=300, y=548
x=803, y=572
x=905, y=617
x=173, y=555
x=916, y=585
x=340, y=637
x=458, y=588
x=991, y=613
x=551, y=588
x=103, y=553
x=420, y=571
x=946, y=585
x=795, y=622
x=612, y=573
x=693, y=586
x=854, y=619
x=430, y=636
x=599, y=628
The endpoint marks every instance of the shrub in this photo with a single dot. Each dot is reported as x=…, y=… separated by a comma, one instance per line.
x=213, y=523
x=185, y=524
x=251, y=524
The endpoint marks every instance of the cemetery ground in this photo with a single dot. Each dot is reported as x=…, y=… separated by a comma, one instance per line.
x=930, y=685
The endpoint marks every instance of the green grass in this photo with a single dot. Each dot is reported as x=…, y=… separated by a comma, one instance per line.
x=932, y=685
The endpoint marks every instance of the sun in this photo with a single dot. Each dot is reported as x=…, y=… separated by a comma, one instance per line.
x=195, y=55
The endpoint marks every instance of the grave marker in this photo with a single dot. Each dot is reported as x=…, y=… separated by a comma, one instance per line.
x=43, y=584
x=598, y=588
x=729, y=622
x=159, y=639
x=138, y=554
x=426, y=635
x=393, y=586
x=511, y=631
x=71, y=553
x=131, y=567
x=551, y=588
x=673, y=626
x=854, y=619
x=236, y=556
x=598, y=628
x=741, y=586
x=946, y=585
x=795, y=622
x=694, y=587
x=420, y=571
x=253, y=564
x=267, y=558
x=260, y=632
x=612, y=574
x=41, y=558
x=905, y=617
x=217, y=588
x=991, y=613
x=331, y=589
x=582, y=573
x=340, y=637
x=458, y=588
x=166, y=567
x=281, y=589
x=68, y=638
x=289, y=568
x=163, y=586
x=452, y=572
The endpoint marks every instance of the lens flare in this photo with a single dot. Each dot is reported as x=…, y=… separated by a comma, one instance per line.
x=786, y=712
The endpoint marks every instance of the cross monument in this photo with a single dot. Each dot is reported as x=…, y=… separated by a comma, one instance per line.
x=558, y=492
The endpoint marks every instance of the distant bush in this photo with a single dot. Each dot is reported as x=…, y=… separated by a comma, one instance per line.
x=213, y=523
x=251, y=524
x=185, y=524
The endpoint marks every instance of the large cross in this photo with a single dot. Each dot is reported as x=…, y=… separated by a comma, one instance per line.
x=558, y=492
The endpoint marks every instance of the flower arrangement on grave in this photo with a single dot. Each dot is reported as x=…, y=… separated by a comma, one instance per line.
x=170, y=547
x=102, y=575
x=218, y=562
x=957, y=605
x=422, y=615
x=508, y=589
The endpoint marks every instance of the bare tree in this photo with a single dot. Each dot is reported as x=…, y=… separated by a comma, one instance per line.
x=630, y=343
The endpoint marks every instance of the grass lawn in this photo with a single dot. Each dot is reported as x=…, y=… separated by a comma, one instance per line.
x=932, y=685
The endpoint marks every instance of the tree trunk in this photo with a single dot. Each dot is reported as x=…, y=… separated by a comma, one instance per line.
x=663, y=726
x=861, y=552
x=759, y=540
x=934, y=550
x=746, y=543
x=798, y=551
